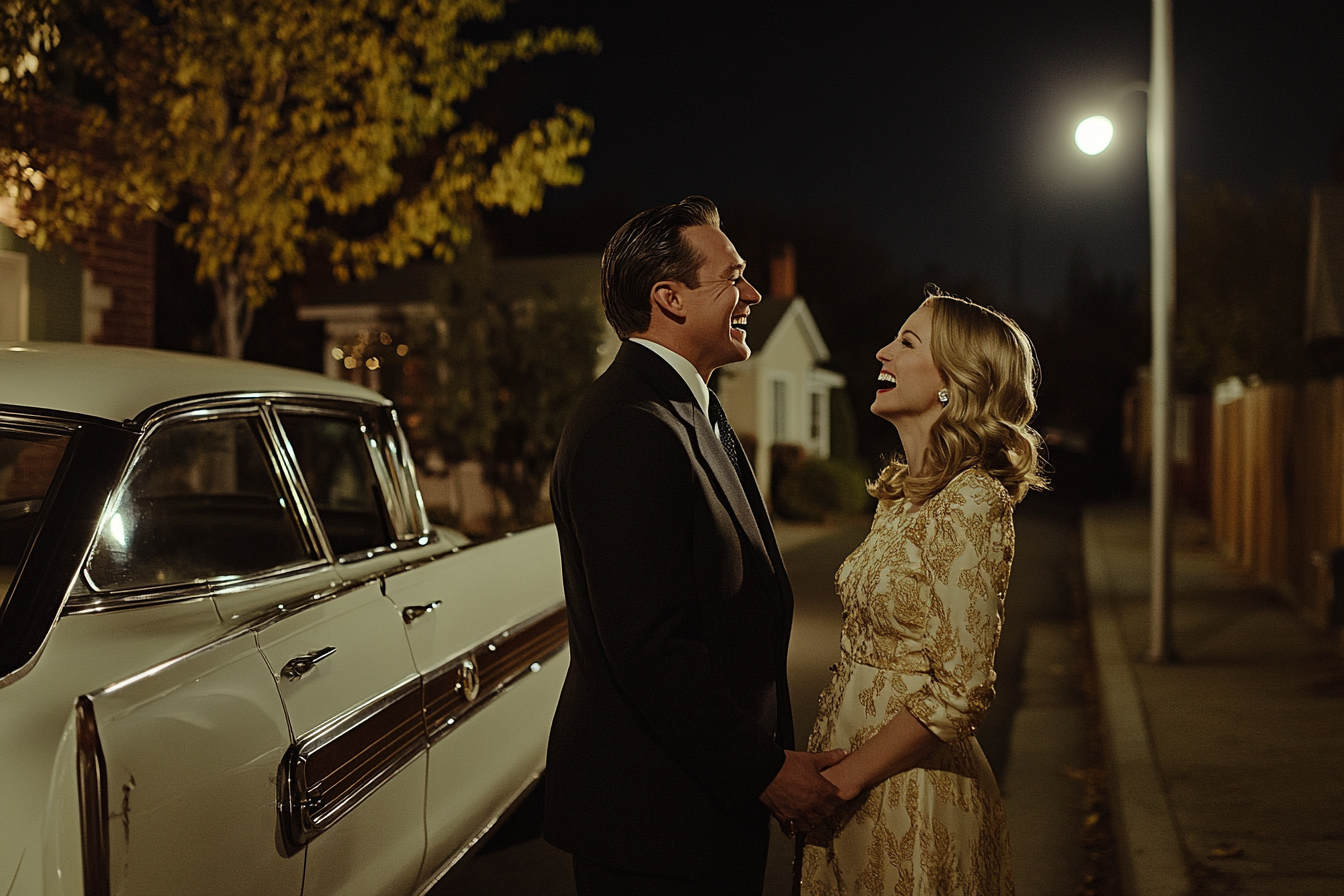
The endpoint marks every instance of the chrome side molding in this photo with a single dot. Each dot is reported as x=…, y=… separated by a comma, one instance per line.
x=330, y=771
x=91, y=773
x=462, y=686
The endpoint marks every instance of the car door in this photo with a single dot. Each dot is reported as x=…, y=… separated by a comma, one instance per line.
x=352, y=785
x=488, y=631
x=184, y=749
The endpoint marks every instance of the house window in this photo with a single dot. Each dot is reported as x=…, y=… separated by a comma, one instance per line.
x=781, y=403
x=815, y=427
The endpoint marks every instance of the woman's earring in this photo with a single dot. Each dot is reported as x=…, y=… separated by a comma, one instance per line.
x=943, y=397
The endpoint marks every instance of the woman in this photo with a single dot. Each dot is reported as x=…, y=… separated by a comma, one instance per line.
x=923, y=599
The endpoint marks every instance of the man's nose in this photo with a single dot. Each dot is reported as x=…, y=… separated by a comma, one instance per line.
x=748, y=293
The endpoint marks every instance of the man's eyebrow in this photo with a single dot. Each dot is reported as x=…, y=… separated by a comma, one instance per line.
x=735, y=270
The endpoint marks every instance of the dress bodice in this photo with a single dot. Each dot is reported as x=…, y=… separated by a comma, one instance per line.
x=924, y=591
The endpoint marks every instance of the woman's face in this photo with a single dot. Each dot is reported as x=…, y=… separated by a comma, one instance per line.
x=908, y=383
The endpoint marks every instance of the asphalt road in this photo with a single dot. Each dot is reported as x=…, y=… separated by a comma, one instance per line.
x=517, y=860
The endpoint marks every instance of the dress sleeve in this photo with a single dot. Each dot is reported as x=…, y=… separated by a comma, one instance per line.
x=967, y=556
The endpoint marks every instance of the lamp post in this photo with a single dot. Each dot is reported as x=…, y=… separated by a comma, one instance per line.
x=1092, y=136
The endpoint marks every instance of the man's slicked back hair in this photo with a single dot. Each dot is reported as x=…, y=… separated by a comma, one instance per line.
x=649, y=248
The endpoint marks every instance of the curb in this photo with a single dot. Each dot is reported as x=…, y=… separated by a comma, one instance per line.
x=1149, y=849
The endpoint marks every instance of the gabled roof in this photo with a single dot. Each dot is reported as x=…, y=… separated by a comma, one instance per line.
x=771, y=316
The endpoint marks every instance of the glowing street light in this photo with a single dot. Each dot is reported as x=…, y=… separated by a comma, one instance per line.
x=1094, y=134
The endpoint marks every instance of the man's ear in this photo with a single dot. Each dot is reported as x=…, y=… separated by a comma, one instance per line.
x=667, y=299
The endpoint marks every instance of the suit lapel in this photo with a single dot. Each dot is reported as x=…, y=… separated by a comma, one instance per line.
x=708, y=451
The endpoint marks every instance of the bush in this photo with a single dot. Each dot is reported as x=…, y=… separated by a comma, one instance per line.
x=819, y=487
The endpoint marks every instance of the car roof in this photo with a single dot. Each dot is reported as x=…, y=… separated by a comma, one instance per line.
x=119, y=383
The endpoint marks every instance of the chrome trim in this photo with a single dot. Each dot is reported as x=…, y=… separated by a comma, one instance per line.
x=412, y=475
x=479, y=839
x=491, y=667
x=153, y=413
x=104, y=601
x=282, y=459
x=91, y=771
x=265, y=617
x=20, y=415
x=456, y=549
x=315, y=791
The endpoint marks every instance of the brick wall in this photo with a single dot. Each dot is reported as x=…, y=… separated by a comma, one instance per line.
x=124, y=264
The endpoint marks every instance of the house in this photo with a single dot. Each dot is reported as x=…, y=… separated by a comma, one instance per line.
x=99, y=290
x=368, y=326
x=781, y=394
x=400, y=300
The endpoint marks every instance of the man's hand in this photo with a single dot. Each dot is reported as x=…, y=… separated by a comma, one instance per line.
x=800, y=797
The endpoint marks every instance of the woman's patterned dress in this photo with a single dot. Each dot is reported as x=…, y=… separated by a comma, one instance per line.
x=923, y=600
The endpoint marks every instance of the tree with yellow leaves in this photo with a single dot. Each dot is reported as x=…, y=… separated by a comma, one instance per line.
x=274, y=132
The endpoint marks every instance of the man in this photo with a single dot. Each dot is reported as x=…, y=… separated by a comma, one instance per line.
x=672, y=742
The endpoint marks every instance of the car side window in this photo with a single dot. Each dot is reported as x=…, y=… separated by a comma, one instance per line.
x=28, y=461
x=334, y=457
x=394, y=464
x=201, y=503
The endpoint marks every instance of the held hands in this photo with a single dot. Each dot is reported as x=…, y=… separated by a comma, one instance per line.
x=800, y=797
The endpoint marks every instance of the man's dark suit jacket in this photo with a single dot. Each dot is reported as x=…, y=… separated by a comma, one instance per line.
x=675, y=714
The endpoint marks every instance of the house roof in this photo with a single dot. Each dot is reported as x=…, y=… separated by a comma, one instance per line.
x=771, y=316
x=765, y=317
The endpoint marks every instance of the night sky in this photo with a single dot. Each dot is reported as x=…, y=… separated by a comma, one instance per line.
x=937, y=134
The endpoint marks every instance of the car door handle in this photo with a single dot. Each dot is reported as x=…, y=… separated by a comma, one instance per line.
x=302, y=665
x=410, y=614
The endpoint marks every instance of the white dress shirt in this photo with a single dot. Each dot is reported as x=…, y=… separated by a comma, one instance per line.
x=685, y=369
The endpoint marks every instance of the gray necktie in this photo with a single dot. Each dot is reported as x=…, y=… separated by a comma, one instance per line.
x=725, y=430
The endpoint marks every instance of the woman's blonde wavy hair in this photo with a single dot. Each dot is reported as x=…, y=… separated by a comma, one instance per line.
x=990, y=369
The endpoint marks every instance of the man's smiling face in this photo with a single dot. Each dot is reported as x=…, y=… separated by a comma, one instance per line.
x=718, y=308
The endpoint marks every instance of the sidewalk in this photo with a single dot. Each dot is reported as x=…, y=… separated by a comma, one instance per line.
x=1226, y=767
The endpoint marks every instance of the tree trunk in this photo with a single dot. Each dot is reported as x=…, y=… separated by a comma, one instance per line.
x=233, y=316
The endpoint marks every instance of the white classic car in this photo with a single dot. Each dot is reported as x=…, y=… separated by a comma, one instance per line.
x=235, y=657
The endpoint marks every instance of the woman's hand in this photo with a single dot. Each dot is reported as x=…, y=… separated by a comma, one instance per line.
x=848, y=787
x=898, y=746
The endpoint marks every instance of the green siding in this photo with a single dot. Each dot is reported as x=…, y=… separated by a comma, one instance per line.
x=55, y=290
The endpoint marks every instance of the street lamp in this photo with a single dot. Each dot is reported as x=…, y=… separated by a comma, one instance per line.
x=1092, y=136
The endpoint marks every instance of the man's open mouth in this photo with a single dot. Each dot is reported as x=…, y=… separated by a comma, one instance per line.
x=740, y=323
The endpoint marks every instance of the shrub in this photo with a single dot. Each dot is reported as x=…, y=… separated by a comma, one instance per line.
x=819, y=487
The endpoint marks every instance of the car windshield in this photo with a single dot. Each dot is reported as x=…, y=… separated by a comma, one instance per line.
x=28, y=463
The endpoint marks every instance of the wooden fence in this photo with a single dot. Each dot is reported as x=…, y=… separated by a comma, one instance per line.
x=1277, y=485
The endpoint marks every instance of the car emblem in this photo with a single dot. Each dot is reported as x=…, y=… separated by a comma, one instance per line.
x=469, y=678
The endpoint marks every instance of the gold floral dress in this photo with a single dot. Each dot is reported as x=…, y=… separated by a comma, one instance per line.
x=923, y=600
